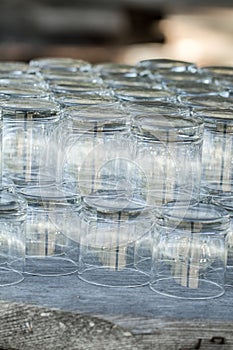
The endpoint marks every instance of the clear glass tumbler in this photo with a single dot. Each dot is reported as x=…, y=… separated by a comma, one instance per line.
x=110, y=233
x=227, y=203
x=13, y=210
x=49, y=250
x=168, y=150
x=96, y=151
x=189, y=251
x=29, y=141
x=217, y=152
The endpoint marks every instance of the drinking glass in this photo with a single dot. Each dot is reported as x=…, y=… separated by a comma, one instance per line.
x=110, y=233
x=29, y=143
x=168, y=150
x=96, y=149
x=13, y=210
x=189, y=251
x=217, y=170
x=49, y=250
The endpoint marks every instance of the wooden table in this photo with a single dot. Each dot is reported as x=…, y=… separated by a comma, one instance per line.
x=67, y=313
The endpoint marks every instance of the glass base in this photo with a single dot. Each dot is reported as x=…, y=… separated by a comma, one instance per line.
x=199, y=289
x=49, y=266
x=108, y=277
x=31, y=180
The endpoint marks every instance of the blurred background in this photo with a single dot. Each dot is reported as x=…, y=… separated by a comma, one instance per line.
x=124, y=31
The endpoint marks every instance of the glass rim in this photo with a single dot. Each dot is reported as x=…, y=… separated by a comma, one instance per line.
x=209, y=114
x=176, y=125
x=12, y=204
x=208, y=101
x=114, y=204
x=50, y=193
x=56, y=62
x=205, y=213
x=107, y=112
x=164, y=63
x=31, y=104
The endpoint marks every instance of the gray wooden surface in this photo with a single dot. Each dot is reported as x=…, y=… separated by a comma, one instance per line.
x=67, y=313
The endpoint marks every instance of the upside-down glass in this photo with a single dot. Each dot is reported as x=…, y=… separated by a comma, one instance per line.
x=217, y=153
x=208, y=102
x=134, y=94
x=97, y=153
x=189, y=251
x=13, y=67
x=24, y=92
x=227, y=203
x=13, y=210
x=220, y=75
x=194, y=88
x=29, y=150
x=110, y=233
x=158, y=68
x=49, y=251
x=168, y=150
x=166, y=64
x=59, y=64
x=84, y=99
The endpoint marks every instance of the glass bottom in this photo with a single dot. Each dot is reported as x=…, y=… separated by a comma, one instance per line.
x=49, y=266
x=108, y=277
x=201, y=288
x=33, y=179
x=9, y=277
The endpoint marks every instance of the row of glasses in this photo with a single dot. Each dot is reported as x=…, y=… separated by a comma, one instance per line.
x=138, y=93
x=13, y=211
x=29, y=162
x=214, y=107
x=157, y=135
x=198, y=255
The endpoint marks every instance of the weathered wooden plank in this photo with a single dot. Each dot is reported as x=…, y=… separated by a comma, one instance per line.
x=67, y=313
x=30, y=327
x=68, y=293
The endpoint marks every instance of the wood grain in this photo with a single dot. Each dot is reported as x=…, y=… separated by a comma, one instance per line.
x=66, y=313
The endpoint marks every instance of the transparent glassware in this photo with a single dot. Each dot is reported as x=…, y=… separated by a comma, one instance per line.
x=74, y=80
x=189, y=251
x=15, y=92
x=220, y=75
x=227, y=203
x=24, y=80
x=139, y=94
x=199, y=76
x=60, y=64
x=110, y=231
x=218, y=70
x=49, y=250
x=13, y=210
x=29, y=143
x=84, y=99
x=120, y=82
x=61, y=88
x=114, y=69
x=217, y=170
x=51, y=76
x=195, y=88
x=161, y=107
x=13, y=67
x=96, y=151
x=168, y=150
x=210, y=101
x=162, y=65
